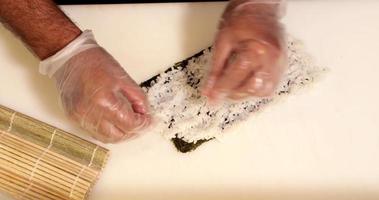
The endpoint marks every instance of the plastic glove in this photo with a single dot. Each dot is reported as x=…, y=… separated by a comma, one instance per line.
x=249, y=51
x=96, y=92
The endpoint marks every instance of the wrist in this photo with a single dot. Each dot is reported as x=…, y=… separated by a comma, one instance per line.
x=83, y=42
x=57, y=40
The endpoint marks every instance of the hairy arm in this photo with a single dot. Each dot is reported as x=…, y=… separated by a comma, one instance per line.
x=40, y=24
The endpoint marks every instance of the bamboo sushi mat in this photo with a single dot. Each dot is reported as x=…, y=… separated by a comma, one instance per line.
x=39, y=161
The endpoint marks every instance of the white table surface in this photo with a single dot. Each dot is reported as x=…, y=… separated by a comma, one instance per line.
x=322, y=143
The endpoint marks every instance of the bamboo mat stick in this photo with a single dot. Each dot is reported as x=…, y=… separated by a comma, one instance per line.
x=58, y=163
x=38, y=161
x=11, y=176
x=12, y=154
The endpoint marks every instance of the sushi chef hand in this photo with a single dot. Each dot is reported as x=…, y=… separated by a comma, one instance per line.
x=96, y=92
x=249, y=51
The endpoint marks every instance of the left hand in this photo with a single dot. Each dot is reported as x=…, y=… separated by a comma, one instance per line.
x=249, y=56
x=98, y=94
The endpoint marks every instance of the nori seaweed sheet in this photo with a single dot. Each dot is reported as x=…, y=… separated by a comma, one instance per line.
x=180, y=144
x=184, y=146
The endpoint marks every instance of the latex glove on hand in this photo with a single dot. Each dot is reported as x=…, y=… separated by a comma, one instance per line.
x=249, y=51
x=96, y=92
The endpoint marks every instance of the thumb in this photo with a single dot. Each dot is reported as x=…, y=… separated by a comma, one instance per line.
x=136, y=97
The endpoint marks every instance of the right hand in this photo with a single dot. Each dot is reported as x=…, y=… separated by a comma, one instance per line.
x=98, y=94
x=250, y=53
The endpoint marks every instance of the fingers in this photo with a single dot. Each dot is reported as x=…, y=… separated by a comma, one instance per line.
x=263, y=81
x=135, y=96
x=94, y=120
x=107, y=132
x=260, y=84
x=251, y=70
x=222, y=51
x=123, y=117
x=259, y=77
x=111, y=118
x=240, y=67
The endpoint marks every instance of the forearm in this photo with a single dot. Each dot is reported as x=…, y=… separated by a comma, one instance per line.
x=40, y=24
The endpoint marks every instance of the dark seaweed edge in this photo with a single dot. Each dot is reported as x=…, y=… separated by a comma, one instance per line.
x=184, y=147
x=180, y=144
x=183, y=64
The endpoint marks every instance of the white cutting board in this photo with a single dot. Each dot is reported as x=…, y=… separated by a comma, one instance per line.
x=322, y=143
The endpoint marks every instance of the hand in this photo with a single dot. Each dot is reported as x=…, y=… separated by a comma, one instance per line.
x=97, y=93
x=249, y=52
